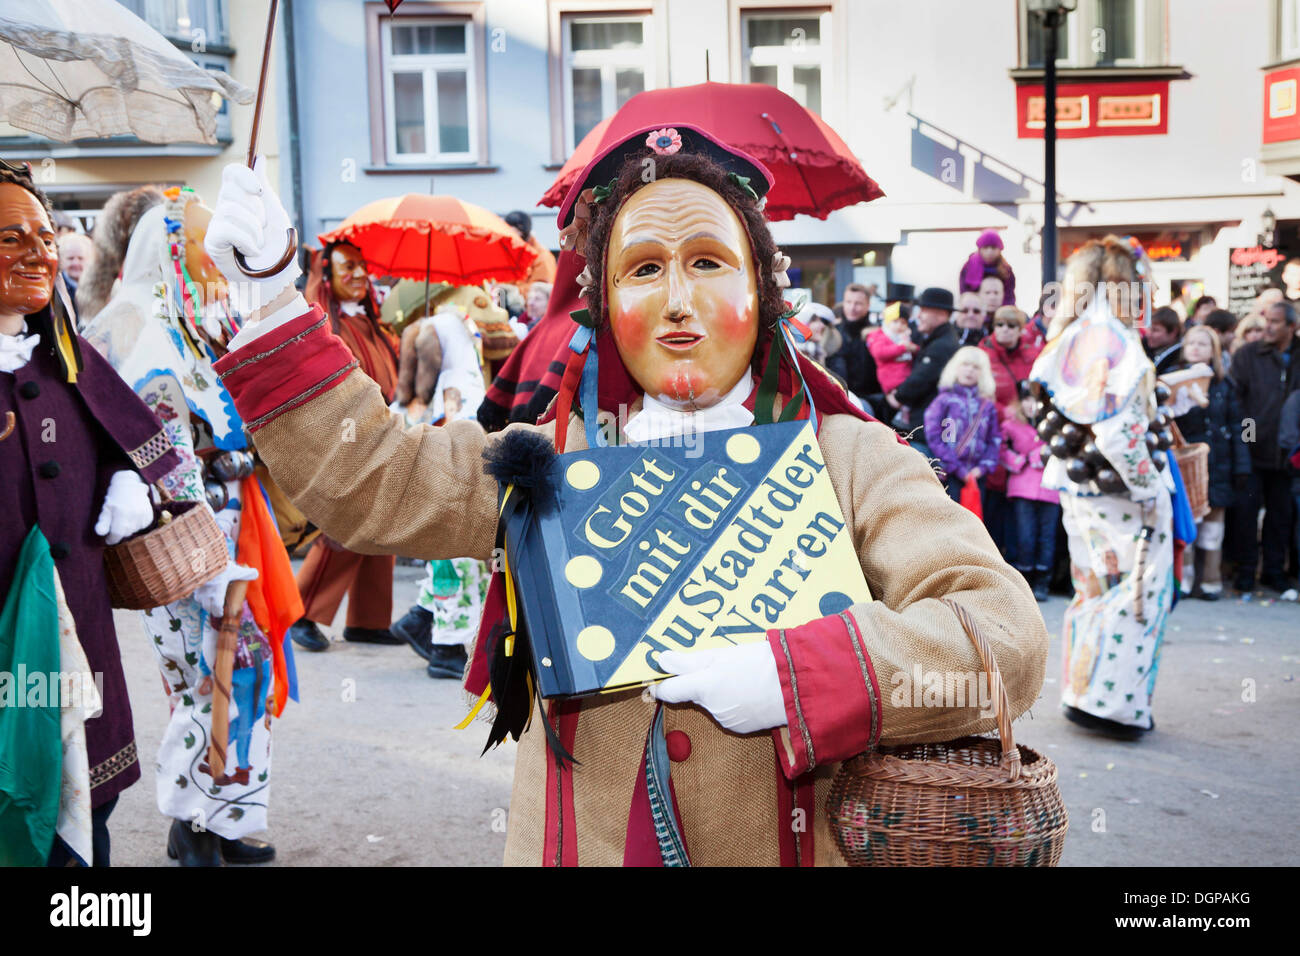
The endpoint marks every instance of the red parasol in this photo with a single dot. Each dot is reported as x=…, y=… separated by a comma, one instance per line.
x=814, y=170
x=435, y=238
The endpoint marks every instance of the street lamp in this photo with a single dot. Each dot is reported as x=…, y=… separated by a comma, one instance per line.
x=1052, y=13
x=1269, y=222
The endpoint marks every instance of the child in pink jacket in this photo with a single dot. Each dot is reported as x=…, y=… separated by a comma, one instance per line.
x=1036, y=510
x=892, y=347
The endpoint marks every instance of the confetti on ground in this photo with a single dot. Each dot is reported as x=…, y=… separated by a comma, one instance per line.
x=1082, y=775
x=1132, y=800
x=1248, y=640
x=371, y=838
x=1216, y=660
x=1110, y=766
x=1222, y=638
x=1210, y=794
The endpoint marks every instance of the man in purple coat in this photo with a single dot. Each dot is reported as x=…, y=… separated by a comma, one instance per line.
x=77, y=450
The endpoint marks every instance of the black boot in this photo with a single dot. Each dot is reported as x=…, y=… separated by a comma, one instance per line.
x=246, y=850
x=1040, y=585
x=307, y=634
x=1111, y=728
x=202, y=848
x=416, y=628
x=448, y=661
x=370, y=635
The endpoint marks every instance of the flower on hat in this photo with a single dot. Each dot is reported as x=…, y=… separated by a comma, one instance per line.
x=780, y=263
x=664, y=141
x=574, y=235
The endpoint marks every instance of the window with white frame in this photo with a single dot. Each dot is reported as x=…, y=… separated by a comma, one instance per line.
x=430, y=90
x=1289, y=36
x=790, y=51
x=607, y=60
x=1100, y=33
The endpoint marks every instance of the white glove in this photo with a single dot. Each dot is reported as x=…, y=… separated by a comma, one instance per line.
x=212, y=595
x=249, y=217
x=738, y=685
x=127, y=508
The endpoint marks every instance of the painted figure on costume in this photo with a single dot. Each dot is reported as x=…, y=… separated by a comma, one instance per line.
x=685, y=308
x=77, y=451
x=161, y=330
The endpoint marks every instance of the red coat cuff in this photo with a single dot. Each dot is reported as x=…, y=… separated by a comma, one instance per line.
x=832, y=697
x=285, y=368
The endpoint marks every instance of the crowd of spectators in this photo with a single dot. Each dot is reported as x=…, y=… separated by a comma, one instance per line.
x=949, y=368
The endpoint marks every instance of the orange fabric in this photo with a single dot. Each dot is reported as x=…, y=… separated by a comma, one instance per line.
x=273, y=596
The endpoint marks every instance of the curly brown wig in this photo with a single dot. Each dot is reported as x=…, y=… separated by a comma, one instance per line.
x=20, y=174
x=636, y=173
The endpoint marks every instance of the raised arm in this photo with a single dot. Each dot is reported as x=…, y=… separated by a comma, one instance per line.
x=321, y=425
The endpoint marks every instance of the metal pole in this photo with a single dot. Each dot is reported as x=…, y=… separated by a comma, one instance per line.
x=1051, y=20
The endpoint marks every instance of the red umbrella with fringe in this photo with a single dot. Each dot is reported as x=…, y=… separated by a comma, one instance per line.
x=815, y=171
x=435, y=238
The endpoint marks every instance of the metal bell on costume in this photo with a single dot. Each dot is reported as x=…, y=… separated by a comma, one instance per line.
x=216, y=495
x=1078, y=471
x=1109, y=481
x=1074, y=435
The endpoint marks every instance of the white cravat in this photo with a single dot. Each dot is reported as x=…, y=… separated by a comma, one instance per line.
x=16, y=350
x=657, y=421
x=351, y=308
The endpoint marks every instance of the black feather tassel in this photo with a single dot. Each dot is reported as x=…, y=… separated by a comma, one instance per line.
x=525, y=462
x=526, y=459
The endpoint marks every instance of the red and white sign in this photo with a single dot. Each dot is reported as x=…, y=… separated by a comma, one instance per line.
x=1139, y=108
x=1281, y=118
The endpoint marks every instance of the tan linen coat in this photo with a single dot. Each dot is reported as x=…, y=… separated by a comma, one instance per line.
x=377, y=486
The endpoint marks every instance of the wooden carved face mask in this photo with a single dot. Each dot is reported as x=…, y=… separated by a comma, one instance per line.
x=682, y=293
x=29, y=254
x=348, y=277
x=199, y=265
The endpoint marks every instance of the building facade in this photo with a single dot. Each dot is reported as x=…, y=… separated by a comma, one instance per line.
x=1163, y=131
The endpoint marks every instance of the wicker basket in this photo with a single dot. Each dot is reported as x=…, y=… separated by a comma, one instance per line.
x=184, y=548
x=976, y=801
x=1194, y=465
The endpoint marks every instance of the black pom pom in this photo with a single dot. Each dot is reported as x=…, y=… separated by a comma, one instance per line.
x=526, y=459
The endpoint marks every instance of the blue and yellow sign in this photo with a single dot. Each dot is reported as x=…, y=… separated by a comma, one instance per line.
x=680, y=548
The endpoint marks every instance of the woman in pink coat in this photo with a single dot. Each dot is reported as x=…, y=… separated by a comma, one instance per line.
x=1037, y=509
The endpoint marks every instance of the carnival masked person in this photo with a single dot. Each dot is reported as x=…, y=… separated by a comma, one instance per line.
x=341, y=287
x=161, y=330
x=683, y=283
x=77, y=449
x=1115, y=496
